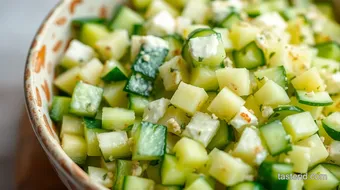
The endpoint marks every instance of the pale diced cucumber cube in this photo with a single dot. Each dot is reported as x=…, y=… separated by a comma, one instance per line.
x=309, y=81
x=250, y=147
x=226, y=104
x=227, y=169
x=300, y=126
x=204, y=78
x=100, y=176
x=190, y=153
x=114, y=145
x=91, y=72
x=114, y=94
x=236, y=79
x=90, y=33
x=264, y=95
x=68, y=80
x=299, y=157
x=75, y=147
x=189, y=98
x=117, y=118
x=318, y=151
x=114, y=46
x=320, y=178
x=71, y=125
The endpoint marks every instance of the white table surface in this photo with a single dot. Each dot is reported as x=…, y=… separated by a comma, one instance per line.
x=19, y=21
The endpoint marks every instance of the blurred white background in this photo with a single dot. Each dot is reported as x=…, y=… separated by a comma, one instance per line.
x=19, y=20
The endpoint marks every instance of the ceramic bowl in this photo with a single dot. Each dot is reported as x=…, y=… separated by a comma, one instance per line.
x=45, y=52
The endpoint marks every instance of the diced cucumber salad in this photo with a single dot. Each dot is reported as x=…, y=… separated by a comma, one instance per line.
x=202, y=95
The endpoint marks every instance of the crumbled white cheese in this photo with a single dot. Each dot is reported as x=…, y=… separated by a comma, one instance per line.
x=287, y=160
x=161, y=24
x=173, y=126
x=181, y=24
x=267, y=111
x=310, y=94
x=136, y=168
x=336, y=77
x=260, y=157
x=79, y=52
x=154, y=42
x=202, y=128
x=203, y=47
x=228, y=62
x=155, y=110
x=221, y=9
x=243, y=118
x=271, y=19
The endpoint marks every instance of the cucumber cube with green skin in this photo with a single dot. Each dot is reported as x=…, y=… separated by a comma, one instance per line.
x=331, y=125
x=91, y=139
x=223, y=136
x=276, y=74
x=171, y=172
x=91, y=123
x=117, y=118
x=60, y=107
x=139, y=85
x=150, y=142
x=71, y=125
x=138, y=103
x=250, y=57
x=330, y=50
x=75, y=147
x=320, y=178
x=77, y=54
x=90, y=33
x=78, y=23
x=86, y=100
x=149, y=59
x=125, y=18
x=124, y=168
x=276, y=138
x=273, y=175
x=114, y=145
x=114, y=71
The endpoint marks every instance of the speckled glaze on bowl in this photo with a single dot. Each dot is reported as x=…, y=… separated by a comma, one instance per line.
x=46, y=50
